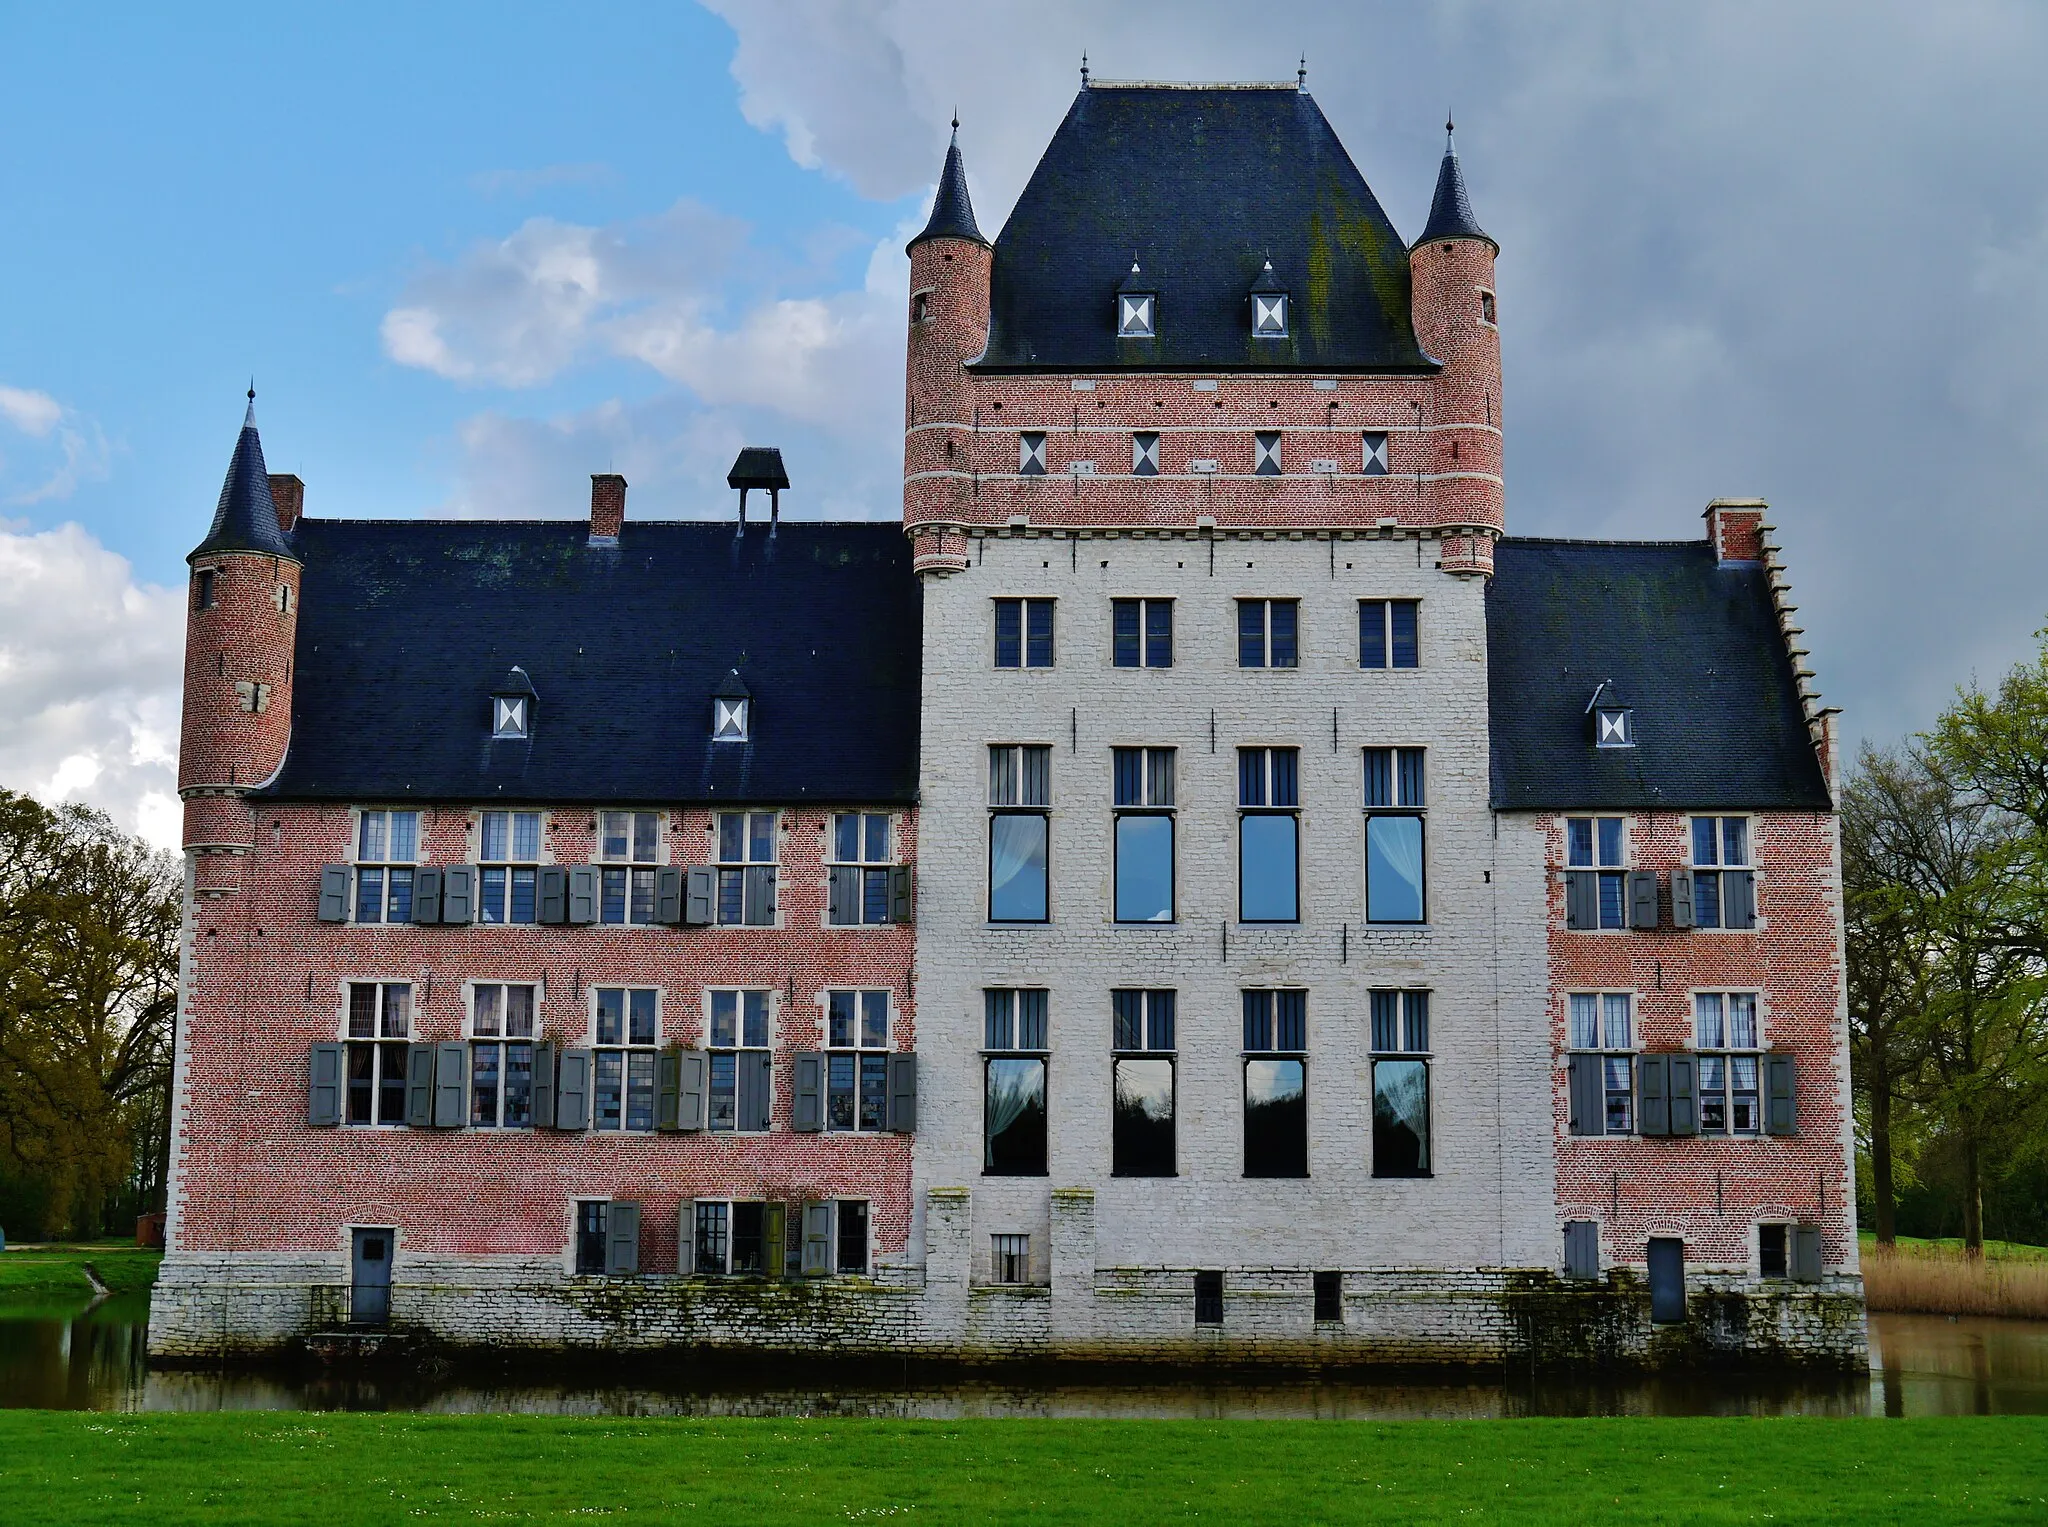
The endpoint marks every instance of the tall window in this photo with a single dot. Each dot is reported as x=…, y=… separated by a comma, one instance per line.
x=1276, y=1083
x=746, y=868
x=502, y=1030
x=1724, y=882
x=1725, y=1034
x=1013, y=1083
x=1266, y=632
x=1019, y=790
x=740, y=1064
x=857, y=877
x=1268, y=835
x=1603, y=1063
x=1400, y=1084
x=1142, y=632
x=1387, y=635
x=712, y=1244
x=627, y=1028
x=1395, y=861
x=850, y=1235
x=387, y=845
x=1144, y=834
x=379, y=1024
x=1141, y=1118
x=1595, y=883
x=629, y=843
x=857, y=1060
x=592, y=1218
x=1024, y=633
x=508, y=844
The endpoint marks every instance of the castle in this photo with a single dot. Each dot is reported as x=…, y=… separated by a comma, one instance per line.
x=1197, y=889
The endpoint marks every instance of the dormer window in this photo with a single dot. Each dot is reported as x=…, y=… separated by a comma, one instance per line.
x=1136, y=307
x=512, y=708
x=1614, y=720
x=731, y=711
x=1269, y=306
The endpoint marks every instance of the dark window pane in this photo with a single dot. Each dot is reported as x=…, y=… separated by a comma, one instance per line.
x=1127, y=1014
x=590, y=1229
x=1009, y=633
x=1275, y=1118
x=1031, y=1007
x=1703, y=841
x=640, y=1090
x=840, y=1018
x=746, y=1239
x=846, y=836
x=1283, y=633
x=611, y=1014
x=1372, y=633
x=999, y=1010
x=1038, y=633
x=1159, y=633
x=1141, y=1126
x=1037, y=780
x=1610, y=842
x=1579, y=841
x=1400, y=1118
x=640, y=1023
x=754, y=1019
x=710, y=1238
x=1014, y=1119
x=1286, y=777
x=1735, y=840
x=1160, y=1020
x=518, y=1113
x=369, y=896
x=1159, y=775
x=1386, y=1020
x=874, y=1091
x=1144, y=869
x=1124, y=614
x=1379, y=776
x=853, y=1235
x=1251, y=633
x=483, y=1085
x=732, y=837
x=362, y=1082
x=1017, y=865
x=1410, y=761
x=1251, y=776
x=839, y=1091
x=1406, y=654
x=1611, y=910
x=522, y=895
x=641, y=908
x=1258, y=1020
x=1290, y=1020
x=1267, y=891
x=613, y=905
x=1130, y=776
x=391, y=1084
x=609, y=1090
x=1393, y=869
x=724, y=1104
x=490, y=903
x=1417, y=1005
x=1706, y=899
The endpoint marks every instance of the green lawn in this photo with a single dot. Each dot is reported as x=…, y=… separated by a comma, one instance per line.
x=55, y=1275
x=337, y=1469
x=2015, y=1251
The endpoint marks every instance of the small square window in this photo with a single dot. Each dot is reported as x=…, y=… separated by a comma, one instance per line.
x=508, y=716
x=1266, y=460
x=1615, y=727
x=920, y=307
x=1010, y=1259
x=1134, y=316
x=1486, y=307
x=1145, y=454
x=1031, y=453
x=1024, y=633
x=1269, y=315
x=1376, y=459
x=729, y=720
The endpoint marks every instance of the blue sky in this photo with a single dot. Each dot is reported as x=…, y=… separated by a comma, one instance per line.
x=472, y=254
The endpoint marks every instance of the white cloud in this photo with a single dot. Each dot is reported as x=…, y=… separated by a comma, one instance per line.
x=65, y=448
x=33, y=413
x=89, y=676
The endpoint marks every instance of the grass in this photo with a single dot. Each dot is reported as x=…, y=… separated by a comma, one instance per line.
x=2005, y=1251
x=1936, y=1278
x=338, y=1469
x=41, y=1276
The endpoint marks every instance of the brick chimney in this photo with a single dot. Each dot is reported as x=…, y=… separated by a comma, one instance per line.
x=607, y=506
x=289, y=494
x=1735, y=526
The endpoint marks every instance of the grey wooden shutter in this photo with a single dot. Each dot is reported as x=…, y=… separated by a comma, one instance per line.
x=842, y=894
x=323, y=1085
x=1738, y=899
x=902, y=894
x=419, y=1086
x=1581, y=1249
x=686, y=1237
x=583, y=893
x=554, y=894
x=755, y=1088
x=1653, y=1097
x=426, y=894
x=808, y=1111
x=700, y=896
x=1781, y=1094
x=451, y=1085
x=760, y=898
x=668, y=895
x=458, y=893
x=572, y=1089
x=1685, y=1094
x=1682, y=899
x=903, y=1091
x=1588, y=1101
x=693, y=1073
x=1581, y=899
x=667, y=1089
x=543, y=1086
x=334, y=893
x=1806, y=1253
x=622, y=1239
x=1642, y=899
x=817, y=1240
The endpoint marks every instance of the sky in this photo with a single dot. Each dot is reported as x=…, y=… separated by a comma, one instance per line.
x=471, y=254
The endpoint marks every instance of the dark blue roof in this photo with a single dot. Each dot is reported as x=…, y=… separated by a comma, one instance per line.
x=1450, y=210
x=1200, y=185
x=952, y=212
x=406, y=628
x=246, y=517
x=1691, y=644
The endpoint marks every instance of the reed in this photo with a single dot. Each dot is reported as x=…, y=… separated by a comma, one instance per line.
x=1933, y=1280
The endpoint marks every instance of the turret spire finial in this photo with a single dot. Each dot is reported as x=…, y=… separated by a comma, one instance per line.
x=1450, y=146
x=956, y=124
x=1301, y=74
x=249, y=417
x=1084, y=68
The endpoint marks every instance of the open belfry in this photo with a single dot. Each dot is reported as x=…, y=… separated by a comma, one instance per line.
x=1196, y=890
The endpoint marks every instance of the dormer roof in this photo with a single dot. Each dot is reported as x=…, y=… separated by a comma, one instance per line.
x=246, y=517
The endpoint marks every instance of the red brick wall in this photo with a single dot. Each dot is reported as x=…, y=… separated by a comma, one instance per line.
x=267, y=984
x=1637, y=1187
x=244, y=636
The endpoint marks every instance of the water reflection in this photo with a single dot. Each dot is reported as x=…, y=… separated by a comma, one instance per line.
x=1920, y=1365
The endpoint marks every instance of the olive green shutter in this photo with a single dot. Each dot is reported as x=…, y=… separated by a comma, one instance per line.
x=543, y=1086
x=1682, y=915
x=755, y=1081
x=426, y=894
x=1781, y=1094
x=668, y=895
x=419, y=1086
x=1642, y=899
x=1738, y=899
x=774, y=1247
x=334, y=893
x=1685, y=1093
x=554, y=894
x=1586, y=1095
x=808, y=1111
x=700, y=896
x=1806, y=1253
x=667, y=1089
x=1653, y=1098
x=451, y=1085
x=583, y=893
x=842, y=894
x=902, y=894
x=693, y=1076
x=903, y=1091
x=458, y=893
x=323, y=1085
x=622, y=1239
x=817, y=1240
x=572, y=1089
x=1581, y=900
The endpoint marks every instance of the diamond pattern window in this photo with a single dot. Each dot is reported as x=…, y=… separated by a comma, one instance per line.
x=1031, y=453
x=1145, y=454
x=1375, y=464
x=1134, y=315
x=1266, y=455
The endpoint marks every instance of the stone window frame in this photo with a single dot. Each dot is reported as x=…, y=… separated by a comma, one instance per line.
x=501, y=1041
x=1265, y=634
x=857, y=1056
x=1152, y=800
x=1614, y=873
x=1268, y=804
x=1604, y=1049
x=1408, y=801
x=1404, y=1051
x=739, y=876
x=1026, y=638
x=385, y=1048
x=1388, y=649
x=872, y=871
x=508, y=866
x=1144, y=638
x=1721, y=868
x=387, y=867
x=1727, y=1053
x=1008, y=790
x=628, y=1050
x=739, y=1046
x=636, y=877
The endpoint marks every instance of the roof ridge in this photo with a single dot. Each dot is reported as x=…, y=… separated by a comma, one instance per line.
x=1594, y=541
x=1290, y=86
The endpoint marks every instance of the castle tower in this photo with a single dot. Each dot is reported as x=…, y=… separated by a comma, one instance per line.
x=240, y=626
x=949, y=285
x=1457, y=323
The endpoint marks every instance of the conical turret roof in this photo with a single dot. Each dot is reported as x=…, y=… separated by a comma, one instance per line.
x=1450, y=210
x=246, y=517
x=952, y=212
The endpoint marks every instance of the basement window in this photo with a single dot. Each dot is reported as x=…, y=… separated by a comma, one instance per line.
x=1010, y=1259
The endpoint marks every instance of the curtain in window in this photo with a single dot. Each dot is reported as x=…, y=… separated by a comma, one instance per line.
x=1017, y=849
x=1393, y=869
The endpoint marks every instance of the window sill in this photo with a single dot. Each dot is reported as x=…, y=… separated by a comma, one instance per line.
x=1022, y=1176
x=1402, y=1176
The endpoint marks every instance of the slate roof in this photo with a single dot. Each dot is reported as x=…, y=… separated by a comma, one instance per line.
x=1692, y=645
x=407, y=626
x=246, y=517
x=1450, y=209
x=952, y=212
x=1200, y=185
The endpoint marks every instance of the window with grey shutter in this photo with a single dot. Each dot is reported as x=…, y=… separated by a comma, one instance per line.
x=1806, y=1253
x=668, y=895
x=1581, y=1249
x=572, y=1089
x=554, y=893
x=755, y=1088
x=622, y=1240
x=1781, y=1094
x=426, y=894
x=458, y=893
x=902, y=900
x=903, y=1091
x=1588, y=1101
x=817, y=1240
x=1581, y=900
x=1684, y=1087
x=808, y=1091
x=694, y=1067
x=544, y=1086
x=1738, y=898
x=1642, y=899
x=843, y=891
x=1682, y=899
x=419, y=1086
x=700, y=896
x=334, y=893
x=451, y=1085
x=323, y=1085
x=1653, y=1097
x=583, y=893
x=668, y=1089
x=686, y=1238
